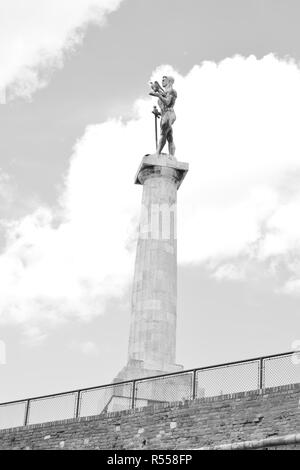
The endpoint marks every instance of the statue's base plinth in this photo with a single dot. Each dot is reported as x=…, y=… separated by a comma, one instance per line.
x=153, y=389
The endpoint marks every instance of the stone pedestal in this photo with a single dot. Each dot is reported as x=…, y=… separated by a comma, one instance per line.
x=152, y=340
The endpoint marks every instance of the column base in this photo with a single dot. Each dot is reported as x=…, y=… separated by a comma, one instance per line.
x=136, y=369
x=149, y=392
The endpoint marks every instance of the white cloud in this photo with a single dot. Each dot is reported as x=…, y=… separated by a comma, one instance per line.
x=36, y=34
x=49, y=271
x=6, y=190
x=33, y=335
x=230, y=272
x=89, y=348
x=237, y=126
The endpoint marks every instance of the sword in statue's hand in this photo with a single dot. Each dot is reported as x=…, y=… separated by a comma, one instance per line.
x=156, y=90
x=157, y=115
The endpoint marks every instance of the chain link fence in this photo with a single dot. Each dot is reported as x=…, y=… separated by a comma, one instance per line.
x=164, y=389
x=222, y=379
x=55, y=408
x=281, y=370
x=13, y=414
x=105, y=399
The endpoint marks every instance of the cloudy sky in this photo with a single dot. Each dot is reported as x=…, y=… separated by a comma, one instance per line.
x=75, y=120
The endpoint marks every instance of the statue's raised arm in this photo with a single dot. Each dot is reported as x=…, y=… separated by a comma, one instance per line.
x=166, y=100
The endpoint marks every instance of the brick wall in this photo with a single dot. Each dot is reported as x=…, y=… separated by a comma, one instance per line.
x=192, y=424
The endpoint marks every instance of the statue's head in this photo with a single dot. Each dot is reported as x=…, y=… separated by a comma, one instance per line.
x=167, y=81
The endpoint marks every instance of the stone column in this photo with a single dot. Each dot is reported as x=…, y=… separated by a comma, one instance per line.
x=152, y=340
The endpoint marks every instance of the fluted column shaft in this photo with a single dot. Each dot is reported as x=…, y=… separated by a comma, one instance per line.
x=153, y=320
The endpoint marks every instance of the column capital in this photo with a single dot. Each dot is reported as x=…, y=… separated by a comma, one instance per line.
x=164, y=165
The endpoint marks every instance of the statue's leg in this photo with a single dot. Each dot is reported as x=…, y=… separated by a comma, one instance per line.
x=171, y=144
x=162, y=140
x=161, y=143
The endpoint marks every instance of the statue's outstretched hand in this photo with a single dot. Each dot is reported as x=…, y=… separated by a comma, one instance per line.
x=155, y=86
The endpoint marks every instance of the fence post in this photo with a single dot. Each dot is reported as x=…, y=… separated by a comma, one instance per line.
x=78, y=404
x=261, y=373
x=194, y=395
x=133, y=394
x=26, y=412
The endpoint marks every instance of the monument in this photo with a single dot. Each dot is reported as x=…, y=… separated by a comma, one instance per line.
x=152, y=339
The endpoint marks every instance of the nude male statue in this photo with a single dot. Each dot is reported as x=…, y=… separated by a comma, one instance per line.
x=166, y=101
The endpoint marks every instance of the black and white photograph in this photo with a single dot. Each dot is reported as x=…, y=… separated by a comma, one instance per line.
x=149, y=227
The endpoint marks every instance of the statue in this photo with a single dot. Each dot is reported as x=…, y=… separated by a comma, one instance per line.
x=166, y=100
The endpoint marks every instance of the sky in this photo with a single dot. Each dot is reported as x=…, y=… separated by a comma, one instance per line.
x=75, y=121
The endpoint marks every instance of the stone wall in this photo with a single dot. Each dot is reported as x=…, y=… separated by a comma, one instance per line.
x=192, y=424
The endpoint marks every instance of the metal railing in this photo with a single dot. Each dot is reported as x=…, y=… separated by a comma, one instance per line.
x=221, y=379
